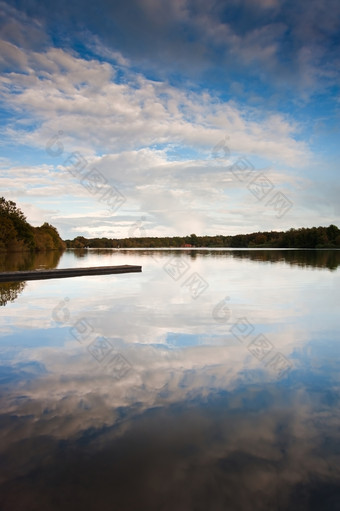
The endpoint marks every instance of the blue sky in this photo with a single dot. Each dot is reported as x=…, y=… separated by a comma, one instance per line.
x=184, y=116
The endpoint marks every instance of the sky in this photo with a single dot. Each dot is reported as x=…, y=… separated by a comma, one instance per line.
x=164, y=118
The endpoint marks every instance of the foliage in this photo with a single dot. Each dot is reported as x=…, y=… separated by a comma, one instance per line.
x=47, y=238
x=314, y=237
x=16, y=234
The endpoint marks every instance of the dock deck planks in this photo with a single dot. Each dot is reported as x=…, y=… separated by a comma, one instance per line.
x=11, y=276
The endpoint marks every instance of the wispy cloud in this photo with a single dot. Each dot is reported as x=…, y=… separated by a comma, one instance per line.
x=153, y=137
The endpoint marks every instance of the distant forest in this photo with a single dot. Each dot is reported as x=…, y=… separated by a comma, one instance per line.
x=314, y=237
x=17, y=235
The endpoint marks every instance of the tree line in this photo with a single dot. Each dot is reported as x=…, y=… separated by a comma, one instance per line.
x=17, y=235
x=304, y=237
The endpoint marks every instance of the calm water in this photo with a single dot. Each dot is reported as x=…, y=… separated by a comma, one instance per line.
x=210, y=381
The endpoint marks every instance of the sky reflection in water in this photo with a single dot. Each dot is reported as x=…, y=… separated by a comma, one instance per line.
x=133, y=392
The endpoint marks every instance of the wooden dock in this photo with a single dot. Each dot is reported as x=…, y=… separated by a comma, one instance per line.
x=11, y=276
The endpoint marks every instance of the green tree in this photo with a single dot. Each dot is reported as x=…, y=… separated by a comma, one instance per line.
x=24, y=237
x=17, y=235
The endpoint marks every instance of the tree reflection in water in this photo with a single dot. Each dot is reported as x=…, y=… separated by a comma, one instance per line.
x=21, y=261
x=317, y=258
x=9, y=291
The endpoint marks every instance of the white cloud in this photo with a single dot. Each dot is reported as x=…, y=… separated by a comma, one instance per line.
x=64, y=91
x=130, y=130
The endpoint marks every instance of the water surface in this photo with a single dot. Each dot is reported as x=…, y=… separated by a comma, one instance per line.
x=210, y=381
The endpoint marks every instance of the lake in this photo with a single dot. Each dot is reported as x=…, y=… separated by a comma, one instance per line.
x=210, y=381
